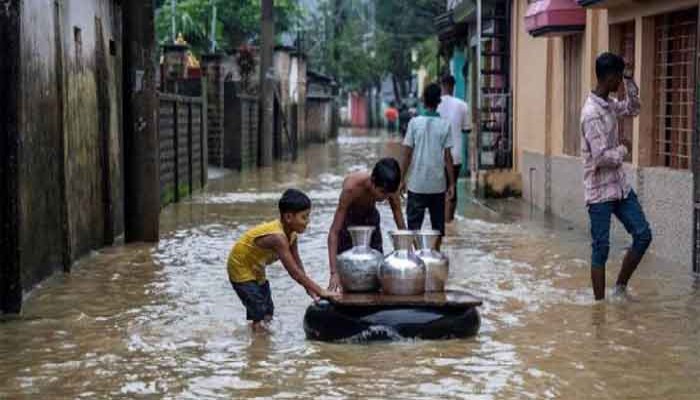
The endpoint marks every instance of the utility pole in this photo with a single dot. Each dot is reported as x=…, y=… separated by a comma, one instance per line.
x=695, y=152
x=142, y=180
x=213, y=27
x=266, y=84
x=173, y=19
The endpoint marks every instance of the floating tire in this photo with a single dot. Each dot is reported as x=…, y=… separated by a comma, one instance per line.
x=327, y=322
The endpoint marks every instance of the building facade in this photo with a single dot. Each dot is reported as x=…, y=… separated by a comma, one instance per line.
x=553, y=63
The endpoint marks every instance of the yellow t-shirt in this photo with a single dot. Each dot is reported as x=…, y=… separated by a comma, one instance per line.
x=246, y=261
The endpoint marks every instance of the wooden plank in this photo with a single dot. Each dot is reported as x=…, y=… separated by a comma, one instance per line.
x=449, y=298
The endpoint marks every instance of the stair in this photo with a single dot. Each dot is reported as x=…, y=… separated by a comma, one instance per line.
x=496, y=150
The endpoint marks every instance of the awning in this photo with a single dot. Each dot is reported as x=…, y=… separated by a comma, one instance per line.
x=589, y=3
x=546, y=18
x=606, y=3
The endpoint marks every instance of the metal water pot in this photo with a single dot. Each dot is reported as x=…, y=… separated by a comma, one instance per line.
x=402, y=272
x=437, y=265
x=358, y=268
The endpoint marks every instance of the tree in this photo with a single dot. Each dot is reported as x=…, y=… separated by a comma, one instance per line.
x=341, y=43
x=237, y=21
x=404, y=26
x=362, y=41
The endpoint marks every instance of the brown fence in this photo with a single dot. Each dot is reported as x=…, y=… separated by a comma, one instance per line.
x=183, y=146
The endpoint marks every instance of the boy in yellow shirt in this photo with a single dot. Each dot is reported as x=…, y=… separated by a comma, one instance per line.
x=265, y=244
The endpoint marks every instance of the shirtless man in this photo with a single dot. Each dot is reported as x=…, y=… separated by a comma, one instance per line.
x=357, y=206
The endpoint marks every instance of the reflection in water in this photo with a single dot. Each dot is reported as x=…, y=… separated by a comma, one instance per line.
x=142, y=321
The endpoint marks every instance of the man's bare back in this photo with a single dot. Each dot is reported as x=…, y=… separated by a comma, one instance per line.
x=357, y=206
x=357, y=190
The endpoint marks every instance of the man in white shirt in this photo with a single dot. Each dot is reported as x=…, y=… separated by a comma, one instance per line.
x=456, y=112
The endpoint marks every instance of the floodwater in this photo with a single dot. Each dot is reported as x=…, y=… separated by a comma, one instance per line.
x=143, y=321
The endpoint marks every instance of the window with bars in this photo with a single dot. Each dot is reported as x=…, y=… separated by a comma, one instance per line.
x=622, y=42
x=674, y=83
x=573, y=48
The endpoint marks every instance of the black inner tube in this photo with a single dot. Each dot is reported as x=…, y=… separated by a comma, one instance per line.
x=327, y=322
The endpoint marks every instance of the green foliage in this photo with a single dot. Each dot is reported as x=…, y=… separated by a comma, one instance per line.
x=361, y=41
x=427, y=56
x=237, y=22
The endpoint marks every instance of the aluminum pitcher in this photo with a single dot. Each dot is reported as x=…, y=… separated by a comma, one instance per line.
x=358, y=268
x=402, y=272
x=437, y=265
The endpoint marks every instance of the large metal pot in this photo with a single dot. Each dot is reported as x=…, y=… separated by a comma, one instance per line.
x=402, y=272
x=358, y=268
x=437, y=265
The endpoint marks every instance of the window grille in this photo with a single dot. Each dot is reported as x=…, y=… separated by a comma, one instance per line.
x=674, y=88
x=622, y=42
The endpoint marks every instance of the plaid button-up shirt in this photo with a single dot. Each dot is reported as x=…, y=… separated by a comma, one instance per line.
x=603, y=175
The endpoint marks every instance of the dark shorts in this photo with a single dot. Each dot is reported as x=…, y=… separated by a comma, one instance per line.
x=361, y=217
x=630, y=213
x=256, y=299
x=457, y=168
x=417, y=203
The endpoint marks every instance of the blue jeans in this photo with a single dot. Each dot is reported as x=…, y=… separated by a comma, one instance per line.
x=630, y=213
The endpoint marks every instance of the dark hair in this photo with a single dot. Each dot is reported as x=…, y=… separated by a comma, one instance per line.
x=431, y=95
x=392, y=104
x=448, y=80
x=294, y=201
x=607, y=64
x=387, y=174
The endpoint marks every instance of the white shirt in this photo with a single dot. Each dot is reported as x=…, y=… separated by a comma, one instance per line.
x=456, y=112
x=428, y=135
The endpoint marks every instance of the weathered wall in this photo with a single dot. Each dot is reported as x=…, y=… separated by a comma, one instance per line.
x=213, y=70
x=538, y=85
x=240, y=129
x=301, y=99
x=319, y=118
x=41, y=233
x=665, y=194
x=668, y=215
x=529, y=80
x=69, y=171
x=10, y=287
x=93, y=142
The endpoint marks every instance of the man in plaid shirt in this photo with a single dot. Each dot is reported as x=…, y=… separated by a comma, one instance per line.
x=607, y=190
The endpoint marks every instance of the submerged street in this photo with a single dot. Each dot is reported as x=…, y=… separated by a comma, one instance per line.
x=142, y=321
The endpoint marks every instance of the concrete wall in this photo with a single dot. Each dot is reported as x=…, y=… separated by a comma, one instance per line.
x=665, y=195
x=240, y=129
x=42, y=236
x=70, y=171
x=319, y=119
x=10, y=286
x=538, y=82
x=554, y=181
x=214, y=70
x=92, y=106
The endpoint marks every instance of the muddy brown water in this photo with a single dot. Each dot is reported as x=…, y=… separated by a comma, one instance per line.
x=143, y=321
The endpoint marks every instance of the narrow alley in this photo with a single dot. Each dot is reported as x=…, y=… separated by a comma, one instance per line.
x=161, y=320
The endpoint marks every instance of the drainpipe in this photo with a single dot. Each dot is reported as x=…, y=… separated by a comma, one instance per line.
x=173, y=19
x=696, y=171
x=476, y=127
x=213, y=27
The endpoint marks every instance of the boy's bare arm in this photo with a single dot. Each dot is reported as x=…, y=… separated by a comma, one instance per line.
x=280, y=245
x=297, y=258
x=395, y=203
x=333, y=233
